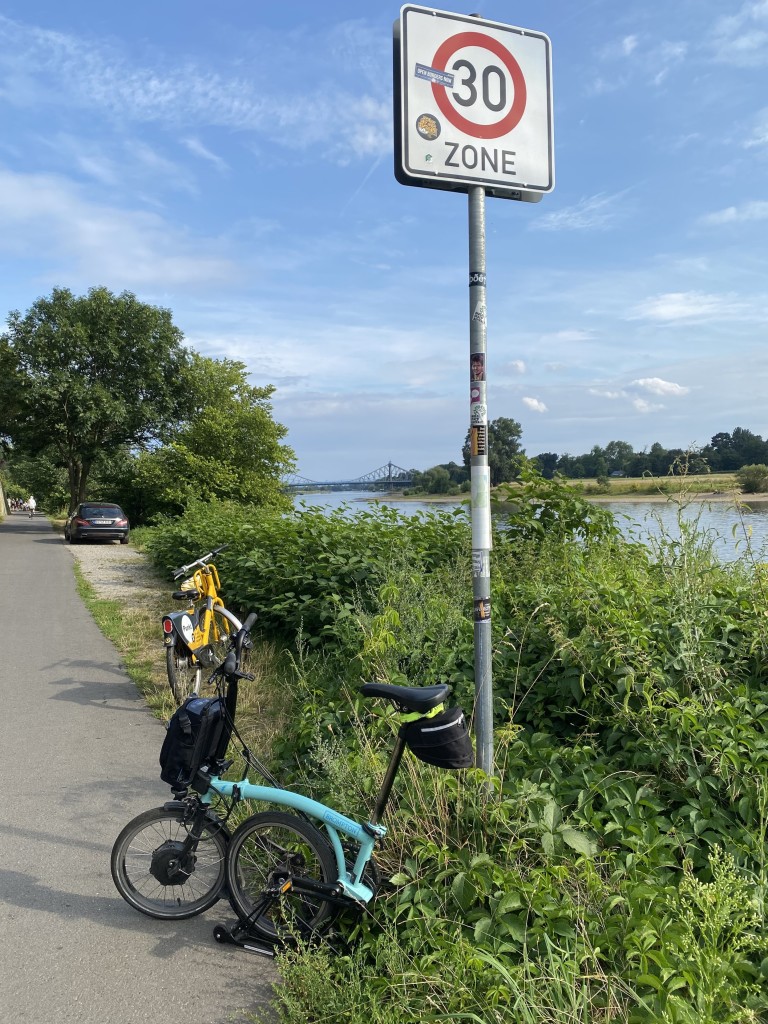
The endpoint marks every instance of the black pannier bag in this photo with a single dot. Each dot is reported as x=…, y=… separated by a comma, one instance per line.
x=442, y=740
x=198, y=734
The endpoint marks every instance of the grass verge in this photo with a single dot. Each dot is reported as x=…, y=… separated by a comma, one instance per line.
x=135, y=632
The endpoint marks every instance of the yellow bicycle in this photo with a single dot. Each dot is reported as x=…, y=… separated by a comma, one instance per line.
x=199, y=637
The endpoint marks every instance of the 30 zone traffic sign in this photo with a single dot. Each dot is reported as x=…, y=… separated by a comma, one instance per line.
x=473, y=105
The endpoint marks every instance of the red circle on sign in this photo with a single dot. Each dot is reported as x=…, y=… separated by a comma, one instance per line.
x=480, y=131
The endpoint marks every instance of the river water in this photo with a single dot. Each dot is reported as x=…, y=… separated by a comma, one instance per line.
x=734, y=532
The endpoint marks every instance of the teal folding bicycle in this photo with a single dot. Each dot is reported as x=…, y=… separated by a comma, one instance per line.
x=286, y=875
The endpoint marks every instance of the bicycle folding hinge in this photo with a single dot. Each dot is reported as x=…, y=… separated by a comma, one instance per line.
x=374, y=831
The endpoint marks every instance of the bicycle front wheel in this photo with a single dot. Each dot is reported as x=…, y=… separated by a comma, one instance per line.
x=157, y=877
x=267, y=851
x=184, y=674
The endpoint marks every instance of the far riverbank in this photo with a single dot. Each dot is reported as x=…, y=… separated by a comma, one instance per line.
x=733, y=497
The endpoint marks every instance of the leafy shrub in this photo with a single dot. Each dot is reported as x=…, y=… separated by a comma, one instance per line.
x=306, y=571
x=753, y=479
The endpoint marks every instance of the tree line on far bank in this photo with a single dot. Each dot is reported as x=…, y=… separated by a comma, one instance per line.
x=741, y=451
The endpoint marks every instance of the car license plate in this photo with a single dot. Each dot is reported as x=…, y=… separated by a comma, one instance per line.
x=102, y=522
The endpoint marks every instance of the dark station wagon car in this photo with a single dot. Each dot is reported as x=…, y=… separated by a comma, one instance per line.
x=93, y=520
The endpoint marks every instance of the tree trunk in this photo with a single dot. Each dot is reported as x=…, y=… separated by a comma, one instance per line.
x=78, y=477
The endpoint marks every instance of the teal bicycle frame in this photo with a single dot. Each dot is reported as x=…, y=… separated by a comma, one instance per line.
x=366, y=835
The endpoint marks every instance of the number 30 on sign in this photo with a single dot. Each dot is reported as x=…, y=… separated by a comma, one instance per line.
x=473, y=105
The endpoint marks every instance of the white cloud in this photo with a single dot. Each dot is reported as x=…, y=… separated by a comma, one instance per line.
x=759, y=135
x=620, y=48
x=102, y=243
x=534, y=404
x=657, y=386
x=666, y=57
x=684, y=306
x=196, y=147
x=742, y=38
x=592, y=213
x=644, y=406
x=516, y=366
x=604, y=393
x=602, y=87
x=55, y=68
x=745, y=213
x=651, y=62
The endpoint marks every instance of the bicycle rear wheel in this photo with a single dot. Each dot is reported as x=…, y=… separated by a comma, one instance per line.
x=184, y=675
x=153, y=874
x=266, y=851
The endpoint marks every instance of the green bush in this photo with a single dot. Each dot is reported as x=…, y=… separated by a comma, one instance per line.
x=753, y=479
x=305, y=571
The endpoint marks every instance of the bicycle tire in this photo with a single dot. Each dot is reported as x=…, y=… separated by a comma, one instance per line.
x=147, y=843
x=184, y=675
x=258, y=855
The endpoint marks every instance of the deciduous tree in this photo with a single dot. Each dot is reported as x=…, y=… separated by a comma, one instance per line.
x=82, y=375
x=504, y=449
x=227, y=445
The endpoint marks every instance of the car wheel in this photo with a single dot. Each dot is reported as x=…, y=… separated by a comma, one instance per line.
x=123, y=540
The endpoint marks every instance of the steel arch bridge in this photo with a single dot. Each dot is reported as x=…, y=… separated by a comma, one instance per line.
x=388, y=476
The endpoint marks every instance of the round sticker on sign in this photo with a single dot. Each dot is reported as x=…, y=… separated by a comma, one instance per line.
x=428, y=127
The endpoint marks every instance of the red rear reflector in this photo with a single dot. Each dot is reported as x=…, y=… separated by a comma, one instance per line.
x=167, y=626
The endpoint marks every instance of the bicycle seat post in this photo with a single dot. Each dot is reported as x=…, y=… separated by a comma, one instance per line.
x=388, y=781
x=419, y=700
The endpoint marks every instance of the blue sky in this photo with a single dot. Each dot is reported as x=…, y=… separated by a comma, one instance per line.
x=233, y=162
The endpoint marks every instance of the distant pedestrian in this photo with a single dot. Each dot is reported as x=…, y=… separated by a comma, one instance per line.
x=31, y=505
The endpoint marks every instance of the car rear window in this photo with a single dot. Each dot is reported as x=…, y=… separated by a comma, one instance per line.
x=101, y=510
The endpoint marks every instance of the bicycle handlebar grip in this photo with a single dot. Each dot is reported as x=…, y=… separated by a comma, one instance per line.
x=248, y=624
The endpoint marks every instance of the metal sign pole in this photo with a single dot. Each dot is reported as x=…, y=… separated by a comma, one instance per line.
x=473, y=113
x=480, y=483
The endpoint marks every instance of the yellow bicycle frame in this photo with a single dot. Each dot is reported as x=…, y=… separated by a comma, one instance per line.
x=204, y=585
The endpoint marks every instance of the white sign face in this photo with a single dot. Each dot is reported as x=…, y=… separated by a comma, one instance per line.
x=476, y=104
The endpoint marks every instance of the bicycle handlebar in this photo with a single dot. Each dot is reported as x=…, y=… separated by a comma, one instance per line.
x=184, y=569
x=230, y=667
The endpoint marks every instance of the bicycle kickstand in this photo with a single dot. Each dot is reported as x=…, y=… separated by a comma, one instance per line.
x=232, y=936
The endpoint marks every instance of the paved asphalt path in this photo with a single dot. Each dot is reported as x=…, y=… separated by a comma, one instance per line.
x=79, y=759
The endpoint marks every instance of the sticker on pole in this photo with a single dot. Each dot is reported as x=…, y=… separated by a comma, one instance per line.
x=473, y=105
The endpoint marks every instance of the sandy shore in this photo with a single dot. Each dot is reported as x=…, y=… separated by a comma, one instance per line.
x=720, y=497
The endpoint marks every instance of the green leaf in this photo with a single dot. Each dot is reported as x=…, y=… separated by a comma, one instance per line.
x=579, y=842
x=400, y=879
